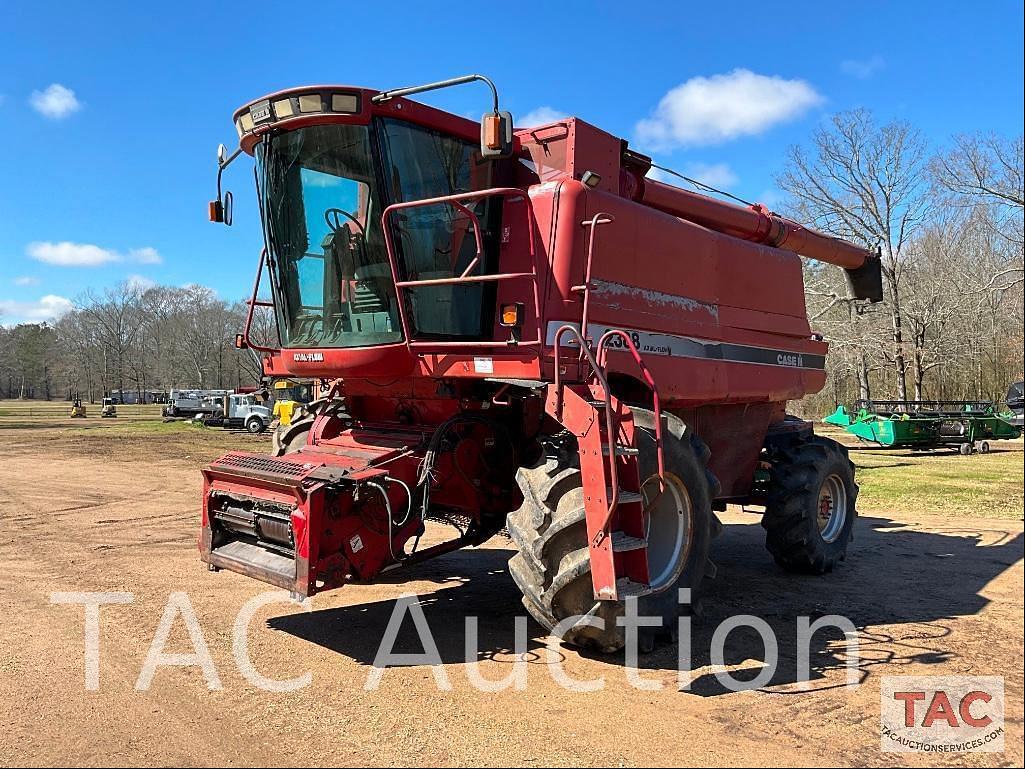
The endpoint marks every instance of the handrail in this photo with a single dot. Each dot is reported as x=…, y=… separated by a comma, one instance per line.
x=610, y=432
x=599, y=218
x=253, y=303
x=514, y=194
x=603, y=353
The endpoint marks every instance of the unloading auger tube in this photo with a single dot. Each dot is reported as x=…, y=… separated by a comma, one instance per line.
x=759, y=225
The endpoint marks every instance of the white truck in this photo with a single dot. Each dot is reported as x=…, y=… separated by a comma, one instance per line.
x=238, y=410
x=190, y=403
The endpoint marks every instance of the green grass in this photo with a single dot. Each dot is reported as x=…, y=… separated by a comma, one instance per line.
x=137, y=426
x=891, y=480
x=940, y=482
x=981, y=485
x=58, y=409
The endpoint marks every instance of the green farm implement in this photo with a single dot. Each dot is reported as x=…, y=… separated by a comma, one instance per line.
x=965, y=425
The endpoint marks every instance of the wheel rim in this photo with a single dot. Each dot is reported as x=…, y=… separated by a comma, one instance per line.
x=832, y=508
x=670, y=525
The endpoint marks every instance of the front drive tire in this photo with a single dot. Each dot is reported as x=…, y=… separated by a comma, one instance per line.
x=287, y=439
x=552, y=566
x=810, y=510
x=255, y=426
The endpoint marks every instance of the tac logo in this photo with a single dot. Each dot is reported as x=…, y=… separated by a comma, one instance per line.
x=942, y=714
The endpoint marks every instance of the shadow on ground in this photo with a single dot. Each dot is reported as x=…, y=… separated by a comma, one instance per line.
x=911, y=582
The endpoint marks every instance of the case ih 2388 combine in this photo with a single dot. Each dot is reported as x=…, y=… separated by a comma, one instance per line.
x=522, y=333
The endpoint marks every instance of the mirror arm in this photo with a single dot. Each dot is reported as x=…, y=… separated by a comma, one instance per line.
x=221, y=208
x=386, y=95
x=222, y=164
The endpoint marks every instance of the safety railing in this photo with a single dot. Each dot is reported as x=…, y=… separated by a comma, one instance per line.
x=597, y=366
x=253, y=303
x=602, y=356
x=512, y=194
x=610, y=421
x=585, y=288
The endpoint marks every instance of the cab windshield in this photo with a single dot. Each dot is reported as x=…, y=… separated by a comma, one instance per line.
x=322, y=203
x=321, y=211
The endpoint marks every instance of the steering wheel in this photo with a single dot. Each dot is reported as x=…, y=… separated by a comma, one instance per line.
x=333, y=217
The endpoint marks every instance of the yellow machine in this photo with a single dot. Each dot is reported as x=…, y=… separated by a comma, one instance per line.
x=284, y=411
x=290, y=396
x=77, y=409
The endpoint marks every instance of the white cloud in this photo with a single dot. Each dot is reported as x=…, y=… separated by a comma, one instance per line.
x=863, y=68
x=718, y=175
x=68, y=254
x=26, y=280
x=140, y=283
x=55, y=102
x=145, y=255
x=539, y=116
x=713, y=174
x=49, y=307
x=661, y=176
x=709, y=110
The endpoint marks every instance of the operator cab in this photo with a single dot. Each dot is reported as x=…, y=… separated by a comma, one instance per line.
x=329, y=162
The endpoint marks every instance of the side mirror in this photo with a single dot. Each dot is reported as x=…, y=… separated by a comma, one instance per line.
x=220, y=210
x=496, y=135
x=240, y=342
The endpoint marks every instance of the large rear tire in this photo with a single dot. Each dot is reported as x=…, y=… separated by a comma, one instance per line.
x=810, y=511
x=552, y=566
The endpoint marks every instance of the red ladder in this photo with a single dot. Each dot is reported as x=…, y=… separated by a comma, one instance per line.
x=613, y=502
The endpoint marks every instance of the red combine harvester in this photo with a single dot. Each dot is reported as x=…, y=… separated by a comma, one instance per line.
x=522, y=333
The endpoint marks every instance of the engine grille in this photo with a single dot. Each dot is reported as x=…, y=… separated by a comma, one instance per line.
x=262, y=465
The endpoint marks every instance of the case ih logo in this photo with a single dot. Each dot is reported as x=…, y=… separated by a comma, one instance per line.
x=942, y=714
x=308, y=357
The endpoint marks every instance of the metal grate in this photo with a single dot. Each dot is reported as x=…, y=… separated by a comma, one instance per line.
x=268, y=465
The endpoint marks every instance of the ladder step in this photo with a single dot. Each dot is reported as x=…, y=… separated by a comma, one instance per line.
x=627, y=588
x=625, y=497
x=596, y=403
x=621, y=450
x=623, y=542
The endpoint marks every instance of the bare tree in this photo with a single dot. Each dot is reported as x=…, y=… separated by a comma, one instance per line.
x=863, y=182
x=987, y=170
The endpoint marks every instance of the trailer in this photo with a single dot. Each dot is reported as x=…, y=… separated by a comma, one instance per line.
x=967, y=426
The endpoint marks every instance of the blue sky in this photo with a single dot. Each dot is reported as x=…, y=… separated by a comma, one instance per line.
x=110, y=114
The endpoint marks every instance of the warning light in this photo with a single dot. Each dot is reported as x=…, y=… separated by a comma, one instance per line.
x=512, y=315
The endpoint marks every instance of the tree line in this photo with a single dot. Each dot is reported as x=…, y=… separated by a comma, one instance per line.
x=948, y=226
x=132, y=340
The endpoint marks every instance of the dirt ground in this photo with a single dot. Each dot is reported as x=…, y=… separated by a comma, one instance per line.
x=101, y=507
